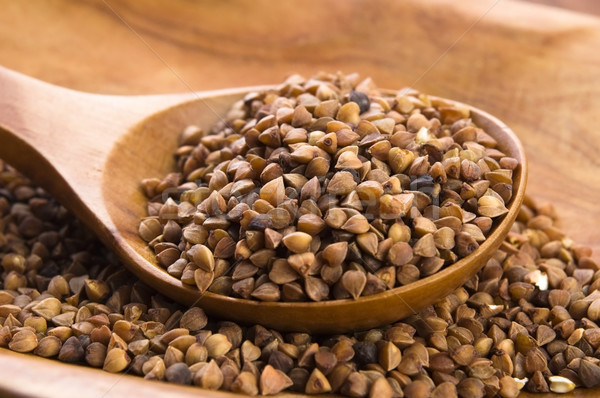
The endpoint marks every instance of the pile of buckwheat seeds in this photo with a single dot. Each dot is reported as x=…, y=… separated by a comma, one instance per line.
x=527, y=320
x=326, y=188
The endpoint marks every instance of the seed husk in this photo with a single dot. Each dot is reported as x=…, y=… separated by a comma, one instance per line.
x=273, y=191
x=215, y=204
x=48, y=347
x=281, y=272
x=196, y=353
x=355, y=385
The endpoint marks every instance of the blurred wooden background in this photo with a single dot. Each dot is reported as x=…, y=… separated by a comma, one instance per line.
x=584, y=6
x=534, y=66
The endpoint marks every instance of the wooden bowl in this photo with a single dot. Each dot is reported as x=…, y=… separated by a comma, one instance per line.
x=93, y=156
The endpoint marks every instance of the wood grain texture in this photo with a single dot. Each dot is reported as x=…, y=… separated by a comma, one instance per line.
x=583, y=6
x=536, y=68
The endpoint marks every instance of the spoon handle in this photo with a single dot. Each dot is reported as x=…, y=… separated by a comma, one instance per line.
x=61, y=138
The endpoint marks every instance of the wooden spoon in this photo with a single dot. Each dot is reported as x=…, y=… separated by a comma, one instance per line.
x=91, y=151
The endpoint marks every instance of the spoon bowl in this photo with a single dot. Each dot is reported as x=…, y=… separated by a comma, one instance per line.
x=91, y=152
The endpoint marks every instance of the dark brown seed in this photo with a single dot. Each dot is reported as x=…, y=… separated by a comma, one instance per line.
x=589, y=373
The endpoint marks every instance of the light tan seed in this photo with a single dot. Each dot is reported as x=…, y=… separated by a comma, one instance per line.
x=354, y=282
x=357, y=224
x=150, y=228
x=389, y=355
x=348, y=160
x=342, y=183
x=311, y=224
x=490, y=206
x=203, y=279
x=368, y=242
x=400, y=253
x=273, y=191
x=395, y=206
x=202, y=257
x=335, y=253
x=316, y=289
x=47, y=308
x=245, y=383
x=24, y=340
x=267, y=292
x=400, y=159
x=273, y=381
x=301, y=263
x=328, y=143
x=425, y=246
x=297, y=242
x=217, y=344
x=335, y=218
x=317, y=383
x=116, y=360
x=209, y=376
x=48, y=346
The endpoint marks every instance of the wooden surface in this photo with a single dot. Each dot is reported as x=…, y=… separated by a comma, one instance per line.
x=584, y=6
x=537, y=68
